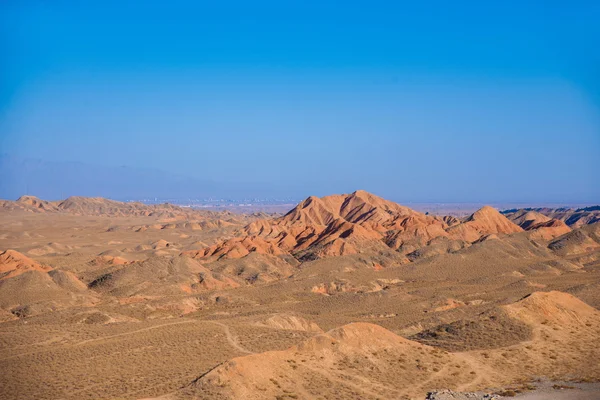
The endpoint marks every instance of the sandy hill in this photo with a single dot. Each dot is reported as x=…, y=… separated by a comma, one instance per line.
x=580, y=241
x=35, y=203
x=290, y=322
x=159, y=276
x=237, y=248
x=97, y=206
x=358, y=360
x=35, y=291
x=540, y=225
x=574, y=218
x=593, y=231
x=105, y=207
x=548, y=230
x=483, y=222
x=541, y=308
x=527, y=218
x=165, y=285
x=545, y=334
x=362, y=360
x=487, y=259
x=13, y=263
x=564, y=330
x=256, y=268
x=28, y=203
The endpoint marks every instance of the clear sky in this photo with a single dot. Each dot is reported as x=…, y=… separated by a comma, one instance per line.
x=415, y=101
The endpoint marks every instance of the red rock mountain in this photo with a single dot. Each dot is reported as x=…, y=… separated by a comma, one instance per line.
x=483, y=222
x=354, y=223
x=529, y=218
x=13, y=263
x=548, y=230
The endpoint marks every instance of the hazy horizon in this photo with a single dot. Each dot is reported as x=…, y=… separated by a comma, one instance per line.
x=364, y=200
x=107, y=180
x=416, y=103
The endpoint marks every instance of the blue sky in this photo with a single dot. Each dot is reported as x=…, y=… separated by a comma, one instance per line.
x=421, y=101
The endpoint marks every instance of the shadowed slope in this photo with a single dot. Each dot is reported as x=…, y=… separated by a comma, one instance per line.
x=575, y=218
x=579, y=241
x=485, y=221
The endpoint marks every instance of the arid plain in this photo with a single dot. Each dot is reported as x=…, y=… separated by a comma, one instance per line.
x=346, y=296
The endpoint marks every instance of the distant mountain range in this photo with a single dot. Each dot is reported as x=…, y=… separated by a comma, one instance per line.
x=58, y=180
x=572, y=217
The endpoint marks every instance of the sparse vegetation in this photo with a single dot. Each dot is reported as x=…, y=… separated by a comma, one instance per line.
x=116, y=292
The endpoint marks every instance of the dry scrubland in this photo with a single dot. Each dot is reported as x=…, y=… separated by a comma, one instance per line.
x=346, y=296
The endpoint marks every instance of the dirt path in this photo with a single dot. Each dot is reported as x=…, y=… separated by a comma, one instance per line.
x=132, y=332
x=83, y=342
x=230, y=337
x=483, y=372
x=440, y=373
x=332, y=377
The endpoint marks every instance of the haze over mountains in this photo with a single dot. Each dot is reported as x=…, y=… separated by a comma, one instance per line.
x=55, y=180
x=345, y=296
x=58, y=180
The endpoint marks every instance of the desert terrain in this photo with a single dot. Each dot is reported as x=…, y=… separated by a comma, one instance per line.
x=344, y=297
